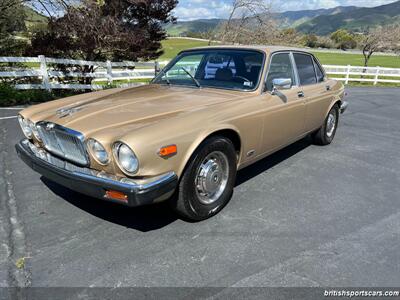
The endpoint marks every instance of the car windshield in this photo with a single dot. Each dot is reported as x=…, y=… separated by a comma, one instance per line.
x=215, y=68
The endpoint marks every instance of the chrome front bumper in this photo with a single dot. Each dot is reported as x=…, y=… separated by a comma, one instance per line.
x=95, y=184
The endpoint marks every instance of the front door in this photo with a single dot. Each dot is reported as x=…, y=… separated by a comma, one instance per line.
x=284, y=121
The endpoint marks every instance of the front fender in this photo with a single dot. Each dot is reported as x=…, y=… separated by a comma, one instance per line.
x=202, y=136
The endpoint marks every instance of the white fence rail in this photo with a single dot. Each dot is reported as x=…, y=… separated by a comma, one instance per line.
x=374, y=75
x=46, y=76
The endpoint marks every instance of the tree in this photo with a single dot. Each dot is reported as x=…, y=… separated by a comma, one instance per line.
x=50, y=8
x=310, y=40
x=379, y=39
x=12, y=21
x=249, y=21
x=289, y=36
x=109, y=29
x=343, y=39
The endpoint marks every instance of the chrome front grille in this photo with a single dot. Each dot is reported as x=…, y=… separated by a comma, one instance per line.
x=64, y=143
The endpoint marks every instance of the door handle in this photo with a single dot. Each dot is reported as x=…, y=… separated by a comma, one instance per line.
x=300, y=94
x=328, y=87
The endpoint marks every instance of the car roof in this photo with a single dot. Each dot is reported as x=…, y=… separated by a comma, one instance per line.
x=267, y=49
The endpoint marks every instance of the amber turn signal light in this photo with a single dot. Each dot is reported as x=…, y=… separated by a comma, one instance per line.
x=115, y=195
x=168, y=151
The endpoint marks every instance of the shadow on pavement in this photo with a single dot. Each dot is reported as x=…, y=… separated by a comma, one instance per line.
x=271, y=161
x=146, y=218
x=157, y=216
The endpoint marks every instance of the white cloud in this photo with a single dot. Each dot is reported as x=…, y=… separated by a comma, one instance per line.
x=206, y=9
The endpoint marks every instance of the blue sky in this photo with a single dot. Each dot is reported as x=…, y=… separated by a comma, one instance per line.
x=208, y=9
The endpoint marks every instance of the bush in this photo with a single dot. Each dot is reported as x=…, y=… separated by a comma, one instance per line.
x=10, y=96
x=310, y=40
x=324, y=42
x=343, y=39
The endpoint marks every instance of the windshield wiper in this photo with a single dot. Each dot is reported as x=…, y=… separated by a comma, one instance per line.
x=162, y=72
x=192, y=77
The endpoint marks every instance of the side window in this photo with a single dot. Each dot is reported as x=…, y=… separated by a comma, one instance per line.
x=280, y=67
x=320, y=74
x=305, y=68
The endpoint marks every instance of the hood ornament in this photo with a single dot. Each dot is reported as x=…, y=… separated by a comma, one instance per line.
x=64, y=112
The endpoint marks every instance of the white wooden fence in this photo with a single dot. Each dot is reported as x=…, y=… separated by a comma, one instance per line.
x=373, y=75
x=47, y=77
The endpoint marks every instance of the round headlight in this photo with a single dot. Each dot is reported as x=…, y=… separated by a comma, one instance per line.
x=34, y=130
x=126, y=158
x=98, y=151
x=25, y=127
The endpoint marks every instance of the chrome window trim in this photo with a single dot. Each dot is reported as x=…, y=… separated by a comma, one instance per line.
x=317, y=64
x=297, y=81
x=312, y=58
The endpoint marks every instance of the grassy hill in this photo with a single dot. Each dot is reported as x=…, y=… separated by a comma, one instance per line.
x=354, y=20
x=173, y=46
x=34, y=19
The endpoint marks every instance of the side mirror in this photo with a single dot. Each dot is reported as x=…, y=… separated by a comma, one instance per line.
x=281, y=84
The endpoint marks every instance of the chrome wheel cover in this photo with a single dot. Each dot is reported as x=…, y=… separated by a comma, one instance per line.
x=212, y=177
x=330, y=124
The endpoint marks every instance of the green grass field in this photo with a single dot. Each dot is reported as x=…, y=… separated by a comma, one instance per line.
x=358, y=60
x=173, y=46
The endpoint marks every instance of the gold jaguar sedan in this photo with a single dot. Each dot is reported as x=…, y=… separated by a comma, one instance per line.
x=210, y=112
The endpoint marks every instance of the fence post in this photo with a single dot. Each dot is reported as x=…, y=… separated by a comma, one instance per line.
x=156, y=68
x=377, y=75
x=43, y=71
x=348, y=74
x=109, y=73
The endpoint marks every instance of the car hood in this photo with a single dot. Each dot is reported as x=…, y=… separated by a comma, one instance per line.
x=135, y=107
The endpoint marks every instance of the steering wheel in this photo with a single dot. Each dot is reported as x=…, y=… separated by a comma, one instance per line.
x=243, y=78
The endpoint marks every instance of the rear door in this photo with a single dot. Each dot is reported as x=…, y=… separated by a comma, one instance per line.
x=316, y=91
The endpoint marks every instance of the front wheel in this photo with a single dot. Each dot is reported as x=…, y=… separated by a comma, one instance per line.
x=325, y=135
x=207, y=183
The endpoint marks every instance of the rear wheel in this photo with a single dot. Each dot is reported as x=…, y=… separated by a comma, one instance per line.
x=207, y=183
x=326, y=134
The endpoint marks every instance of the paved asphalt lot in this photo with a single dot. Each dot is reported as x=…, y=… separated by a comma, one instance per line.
x=306, y=216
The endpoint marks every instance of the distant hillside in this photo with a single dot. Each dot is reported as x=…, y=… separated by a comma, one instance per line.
x=182, y=28
x=354, y=20
x=296, y=18
x=34, y=19
x=285, y=19
x=319, y=21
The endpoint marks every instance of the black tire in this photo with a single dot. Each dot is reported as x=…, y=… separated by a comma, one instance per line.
x=325, y=135
x=188, y=201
